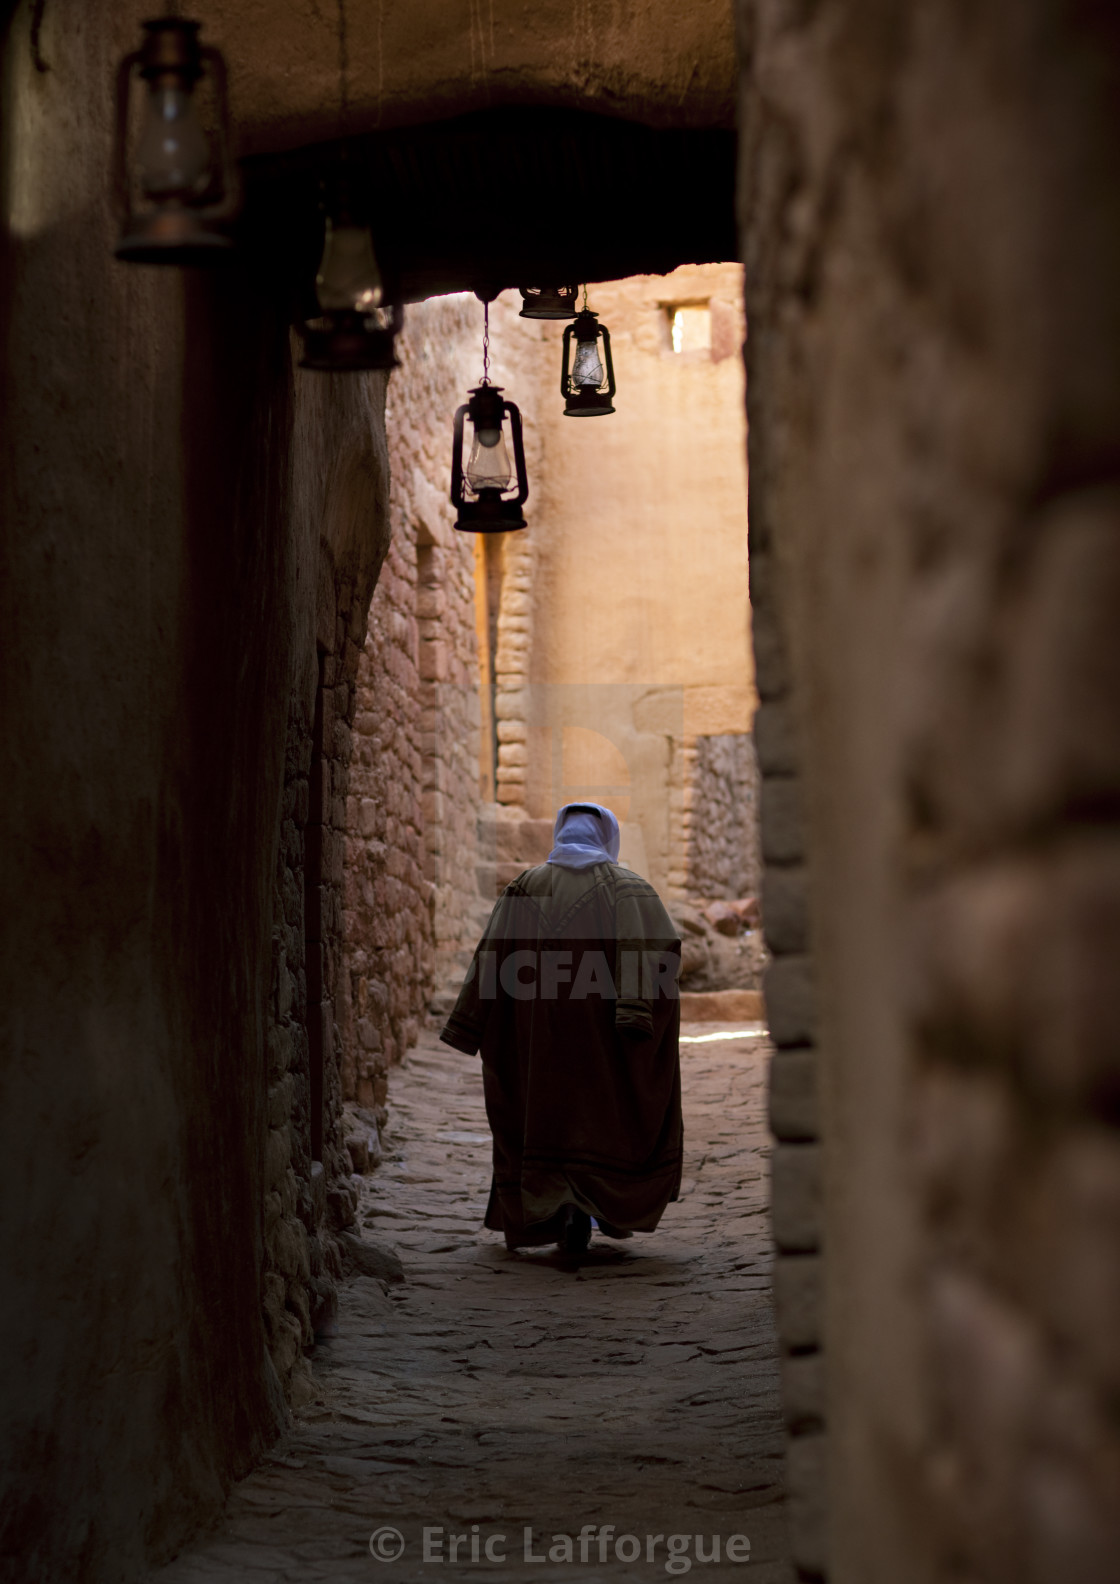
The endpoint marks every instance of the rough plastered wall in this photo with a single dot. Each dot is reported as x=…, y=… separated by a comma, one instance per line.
x=412, y=61
x=642, y=516
x=411, y=844
x=931, y=234
x=146, y=609
x=601, y=638
x=184, y=519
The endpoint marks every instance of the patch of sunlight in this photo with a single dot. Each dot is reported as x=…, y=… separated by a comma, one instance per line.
x=706, y=1039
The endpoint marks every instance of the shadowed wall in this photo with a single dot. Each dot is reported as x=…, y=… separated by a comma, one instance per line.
x=931, y=237
x=162, y=515
x=191, y=534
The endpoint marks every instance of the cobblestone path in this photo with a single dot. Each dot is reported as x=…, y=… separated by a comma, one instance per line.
x=495, y=1392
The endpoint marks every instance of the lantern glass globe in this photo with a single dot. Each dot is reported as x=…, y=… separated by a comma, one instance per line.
x=489, y=466
x=172, y=155
x=348, y=277
x=588, y=369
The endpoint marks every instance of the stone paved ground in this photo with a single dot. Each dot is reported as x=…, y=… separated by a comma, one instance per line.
x=511, y=1391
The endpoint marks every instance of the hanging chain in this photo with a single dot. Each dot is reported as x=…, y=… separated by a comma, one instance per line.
x=585, y=296
x=486, y=343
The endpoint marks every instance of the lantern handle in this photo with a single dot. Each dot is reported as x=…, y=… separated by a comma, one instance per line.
x=121, y=196
x=605, y=333
x=457, y=458
x=514, y=414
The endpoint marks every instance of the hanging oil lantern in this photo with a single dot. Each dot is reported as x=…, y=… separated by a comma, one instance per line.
x=489, y=490
x=176, y=191
x=357, y=327
x=587, y=380
x=548, y=302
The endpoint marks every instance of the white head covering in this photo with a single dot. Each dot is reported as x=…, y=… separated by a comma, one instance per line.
x=584, y=834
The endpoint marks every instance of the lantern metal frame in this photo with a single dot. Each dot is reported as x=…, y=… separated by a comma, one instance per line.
x=548, y=302
x=351, y=340
x=492, y=511
x=194, y=230
x=587, y=401
x=347, y=341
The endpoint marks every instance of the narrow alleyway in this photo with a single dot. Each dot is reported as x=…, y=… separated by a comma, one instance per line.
x=511, y=1392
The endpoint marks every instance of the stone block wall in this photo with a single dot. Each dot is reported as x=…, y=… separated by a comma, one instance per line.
x=795, y=1189
x=338, y=491
x=526, y=351
x=719, y=822
x=932, y=239
x=512, y=669
x=440, y=362
x=449, y=702
x=387, y=918
x=1012, y=1014
x=411, y=818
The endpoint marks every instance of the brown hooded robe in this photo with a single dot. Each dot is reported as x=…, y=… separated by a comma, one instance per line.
x=572, y=1000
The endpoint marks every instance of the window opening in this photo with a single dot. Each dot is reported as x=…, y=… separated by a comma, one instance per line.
x=690, y=327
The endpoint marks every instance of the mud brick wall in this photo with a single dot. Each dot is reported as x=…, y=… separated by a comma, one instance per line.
x=512, y=669
x=526, y=351
x=931, y=235
x=449, y=720
x=387, y=903
x=411, y=817
x=337, y=500
x=720, y=816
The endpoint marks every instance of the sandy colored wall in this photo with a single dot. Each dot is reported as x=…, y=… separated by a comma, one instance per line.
x=640, y=605
x=410, y=884
x=932, y=242
x=558, y=609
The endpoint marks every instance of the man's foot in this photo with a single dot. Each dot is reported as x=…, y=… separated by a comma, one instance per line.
x=575, y=1232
